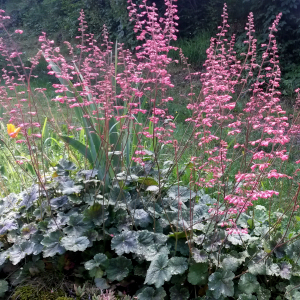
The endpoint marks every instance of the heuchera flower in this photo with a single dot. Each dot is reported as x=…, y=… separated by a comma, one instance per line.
x=12, y=130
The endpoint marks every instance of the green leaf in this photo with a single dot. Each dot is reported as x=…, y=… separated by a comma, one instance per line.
x=117, y=268
x=247, y=297
x=52, y=244
x=8, y=225
x=19, y=250
x=59, y=202
x=154, y=250
x=3, y=256
x=258, y=265
x=3, y=287
x=18, y=277
x=260, y=213
x=178, y=265
x=101, y=283
x=272, y=269
x=69, y=187
x=73, y=243
x=158, y=271
x=98, y=260
x=198, y=273
x=265, y=294
x=179, y=293
x=250, y=223
x=142, y=218
x=248, y=284
x=125, y=242
x=95, y=214
x=200, y=256
x=96, y=273
x=150, y=293
x=145, y=238
x=221, y=283
x=64, y=166
x=81, y=148
x=230, y=263
x=77, y=225
x=183, y=193
x=148, y=181
x=285, y=270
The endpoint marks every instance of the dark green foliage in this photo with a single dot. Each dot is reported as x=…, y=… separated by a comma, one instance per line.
x=114, y=243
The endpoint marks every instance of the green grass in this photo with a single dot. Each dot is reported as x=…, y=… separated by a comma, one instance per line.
x=193, y=48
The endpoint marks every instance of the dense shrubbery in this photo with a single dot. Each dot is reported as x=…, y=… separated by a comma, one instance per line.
x=116, y=214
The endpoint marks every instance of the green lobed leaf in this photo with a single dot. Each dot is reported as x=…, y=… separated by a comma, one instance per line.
x=142, y=218
x=52, y=244
x=230, y=263
x=198, y=274
x=177, y=265
x=248, y=284
x=64, y=166
x=221, y=283
x=101, y=283
x=258, y=265
x=285, y=270
x=69, y=187
x=19, y=250
x=272, y=269
x=78, y=225
x=260, y=213
x=150, y=293
x=125, y=242
x=158, y=271
x=98, y=260
x=74, y=243
x=179, y=293
x=264, y=294
x=59, y=202
x=155, y=250
x=199, y=256
x=117, y=268
x=8, y=225
x=246, y=297
x=3, y=287
x=3, y=257
x=96, y=273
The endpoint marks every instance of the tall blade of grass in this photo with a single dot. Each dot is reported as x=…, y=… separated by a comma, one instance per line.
x=81, y=148
x=114, y=135
x=45, y=131
x=45, y=136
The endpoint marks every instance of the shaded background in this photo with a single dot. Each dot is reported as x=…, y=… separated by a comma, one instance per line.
x=198, y=21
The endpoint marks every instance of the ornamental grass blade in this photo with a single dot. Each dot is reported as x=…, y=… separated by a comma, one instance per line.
x=82, y=149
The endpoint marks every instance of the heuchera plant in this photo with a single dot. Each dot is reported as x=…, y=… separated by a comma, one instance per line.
x=131, y=202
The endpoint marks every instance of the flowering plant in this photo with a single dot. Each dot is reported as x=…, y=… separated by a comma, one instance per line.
x=115, y=114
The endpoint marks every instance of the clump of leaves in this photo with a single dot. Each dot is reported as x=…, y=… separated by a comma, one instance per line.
x=143, y=244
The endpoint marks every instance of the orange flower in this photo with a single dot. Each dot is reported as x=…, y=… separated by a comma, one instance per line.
x=12, y=130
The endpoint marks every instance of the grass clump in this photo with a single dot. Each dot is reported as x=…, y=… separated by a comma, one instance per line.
x=29, y=292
